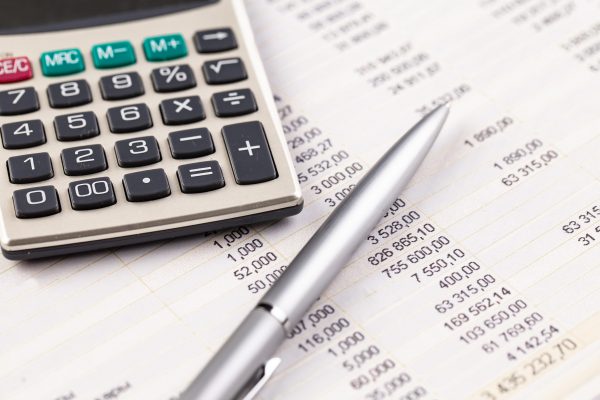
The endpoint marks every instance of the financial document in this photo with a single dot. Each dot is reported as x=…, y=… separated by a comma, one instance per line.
x=482, y=281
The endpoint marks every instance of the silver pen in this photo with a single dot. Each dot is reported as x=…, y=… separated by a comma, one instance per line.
x=245, y=362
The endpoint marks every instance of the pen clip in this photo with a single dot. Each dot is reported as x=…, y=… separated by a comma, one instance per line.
x=267, y=371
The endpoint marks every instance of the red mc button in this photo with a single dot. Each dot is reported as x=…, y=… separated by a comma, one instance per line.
x=15, y=69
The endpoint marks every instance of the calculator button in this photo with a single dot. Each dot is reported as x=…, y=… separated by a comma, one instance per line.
x=19, y=101
x=173, y=78
x=183, y=110
x=135, y=117
x=165, y=47
x=249, y=153
x=112, y=55
x=15, y=69
x=227, y=70
x=30, y=168
x=62, y=62
x=234, y=103
x=36, y=202
x=83, y=160
x=90, y=194
x=76, y=126
x=23, y=134
x=69, y=94
x=215, y=40
x=200, y=177
x=137, y=152
x=121, y=86
x=191, y=143
x=146, y=185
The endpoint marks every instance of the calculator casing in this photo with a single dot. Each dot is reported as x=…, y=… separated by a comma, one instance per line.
x=179, y=214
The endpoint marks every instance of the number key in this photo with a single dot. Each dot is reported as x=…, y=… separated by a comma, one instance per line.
x=20, y=135
x=83, y=160
x=69, y=94
x=90, y=194
x=129, y=118
x=76, y=126
x=30, y=168
x=137, y=152
x=19, y=101
x=36, y=202
x=121, y=86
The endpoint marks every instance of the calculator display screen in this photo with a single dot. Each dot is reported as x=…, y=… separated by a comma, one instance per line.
x=26, y=16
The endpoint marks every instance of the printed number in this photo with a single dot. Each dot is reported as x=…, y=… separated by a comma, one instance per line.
x=23, y=129
x=69, y=89
x=76, y=121
x=87, y=189
x=122, y=81
x=140, y=145
x=19, y=93
x=130, y=113
x=30, y=160
x=85, y=155
x=32, y=201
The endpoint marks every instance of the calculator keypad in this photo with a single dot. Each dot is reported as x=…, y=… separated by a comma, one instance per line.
x=137, y=152
x=36, y=202
x=78, y=126
x=121, y=86
x=173, y=78
x=132, y=118
x=115, y=134
x=190, y=143
x=90, y=194
x=226, y=70
x=69, y=94
x=19, y=101
x=23, y=134
x=146, y=185
x=30, y=168
x=182, y=110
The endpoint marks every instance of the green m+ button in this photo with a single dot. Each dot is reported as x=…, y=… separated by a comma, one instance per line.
x=62, y=62
x=165, y=47
x=112, y=55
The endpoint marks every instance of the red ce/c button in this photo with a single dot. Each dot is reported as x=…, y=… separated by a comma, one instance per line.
x=15, y=69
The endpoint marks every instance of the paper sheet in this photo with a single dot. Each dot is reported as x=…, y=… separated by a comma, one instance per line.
x=482, y=281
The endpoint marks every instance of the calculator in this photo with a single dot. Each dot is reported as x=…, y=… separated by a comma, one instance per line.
x=123, y=125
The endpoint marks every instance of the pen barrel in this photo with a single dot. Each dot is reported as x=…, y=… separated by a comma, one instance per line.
x=333, y=245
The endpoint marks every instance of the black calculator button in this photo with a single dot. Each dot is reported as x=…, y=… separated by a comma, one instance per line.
x=90, y=194
x=215, y=40
x=78, y=126
x=249, y=153
x=234, y=103
x=226, y=70
x=69, y=94
x=137, y=152
x=183, y=110
x=83, y=160
x=135, y=117
x=191, y=143
x=173, y=78
x=146, y=185
x=121, y=86
x=23, y=134
x=30, y=168
x=200, y=177
x=19, y=101
x=36, y=202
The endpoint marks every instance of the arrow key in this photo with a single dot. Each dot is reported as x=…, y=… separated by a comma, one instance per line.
x=215, y=40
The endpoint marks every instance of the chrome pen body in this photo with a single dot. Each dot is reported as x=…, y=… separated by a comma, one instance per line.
x=238, y=365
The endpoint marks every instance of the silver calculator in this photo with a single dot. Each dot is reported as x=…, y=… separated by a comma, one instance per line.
x=122, y=125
